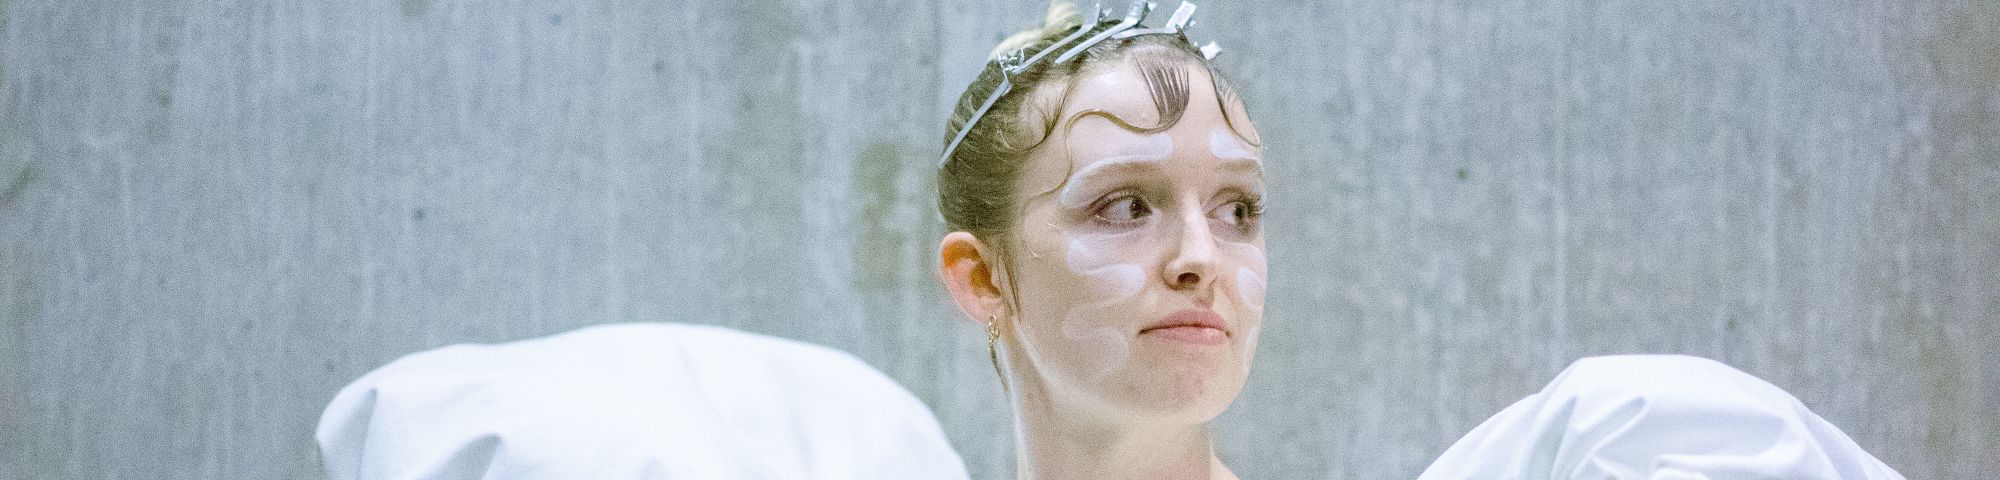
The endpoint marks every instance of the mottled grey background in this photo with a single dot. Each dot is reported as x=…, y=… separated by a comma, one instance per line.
x=213, y=214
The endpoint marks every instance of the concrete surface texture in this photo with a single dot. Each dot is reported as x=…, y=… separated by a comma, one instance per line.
x=215, y=214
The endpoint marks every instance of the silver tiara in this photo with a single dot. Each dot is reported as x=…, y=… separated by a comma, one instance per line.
x=1015, y=62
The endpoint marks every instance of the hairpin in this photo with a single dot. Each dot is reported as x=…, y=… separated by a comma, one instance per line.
x=1013, y=63
x=1175, y=24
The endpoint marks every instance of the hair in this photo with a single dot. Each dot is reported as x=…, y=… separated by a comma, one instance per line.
x=977, y=185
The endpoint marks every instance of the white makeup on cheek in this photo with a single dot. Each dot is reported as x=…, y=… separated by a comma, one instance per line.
x=1224, y=145
x=1106, y=346
x=1250, y=274
x=1250, y=284
x=1250, y=344
x=1113, y=284
x=1250, y=281
x=1153, y=148
x=1117, y=280
x=1250, y=288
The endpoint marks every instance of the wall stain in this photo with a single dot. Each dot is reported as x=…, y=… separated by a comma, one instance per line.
x=1958, y=69
x=765, y=148
x=158, y=122
x=878, y=242
x=19, y=185
x=1962, y=61
x=766, y=23
x=415, y=8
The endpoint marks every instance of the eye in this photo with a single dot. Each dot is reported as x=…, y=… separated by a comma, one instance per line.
x=1124, y=209
x=1241, y=213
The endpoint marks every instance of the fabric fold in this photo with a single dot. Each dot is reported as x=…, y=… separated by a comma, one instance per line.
x=1657, y=417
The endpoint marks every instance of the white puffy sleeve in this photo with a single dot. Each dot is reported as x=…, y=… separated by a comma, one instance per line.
x=1657, y=417
x=633, y=401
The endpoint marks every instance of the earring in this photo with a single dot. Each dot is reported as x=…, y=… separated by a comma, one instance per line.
x=993, y=341
x=993, y=347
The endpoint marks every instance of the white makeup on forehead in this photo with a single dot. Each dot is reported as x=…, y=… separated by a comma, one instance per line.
x=1224, y=145
x=1152, y=148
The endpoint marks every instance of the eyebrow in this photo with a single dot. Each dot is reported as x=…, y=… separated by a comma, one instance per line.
x=1072, y=191
x=1246, y=165
x=1084, y=177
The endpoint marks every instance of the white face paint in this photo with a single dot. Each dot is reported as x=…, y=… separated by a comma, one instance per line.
x=1114, y=284
x=1250, y=276
x=1250, y=280
x=1250, y=283
x=1127, y=207
x=1224, y=144
x=1153, y=148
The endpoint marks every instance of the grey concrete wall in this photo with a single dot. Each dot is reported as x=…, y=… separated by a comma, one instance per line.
x=214, y=214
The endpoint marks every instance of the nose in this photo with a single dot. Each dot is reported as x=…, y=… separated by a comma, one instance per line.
x=1190, y=266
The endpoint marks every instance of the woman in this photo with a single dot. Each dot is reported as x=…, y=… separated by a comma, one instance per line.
x=1103, y=191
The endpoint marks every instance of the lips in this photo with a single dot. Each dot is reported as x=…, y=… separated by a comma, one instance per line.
x=1194, y=325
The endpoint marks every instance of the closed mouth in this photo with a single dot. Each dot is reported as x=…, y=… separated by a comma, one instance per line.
x=1190, y=318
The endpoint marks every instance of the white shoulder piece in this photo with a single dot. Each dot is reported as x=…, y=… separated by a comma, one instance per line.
x=1657, y=417
x=633, y=401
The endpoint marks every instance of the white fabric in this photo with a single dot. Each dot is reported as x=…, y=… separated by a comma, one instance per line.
x=635, y=401
x=1657, y=417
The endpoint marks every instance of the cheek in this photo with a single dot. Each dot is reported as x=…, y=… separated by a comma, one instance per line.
x=1093, y=261
x=1249, y=278
x=1249, y=288
x=1093, y=338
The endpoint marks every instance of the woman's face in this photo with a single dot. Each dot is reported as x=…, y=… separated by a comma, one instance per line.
x=1141, y=266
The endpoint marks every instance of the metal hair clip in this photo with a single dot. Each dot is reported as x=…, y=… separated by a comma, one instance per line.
x=1095, y=16
x=1015, y=62
x=1133, y=15
x=1175, y=24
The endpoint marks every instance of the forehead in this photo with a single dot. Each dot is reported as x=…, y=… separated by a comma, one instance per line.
x=1113, y=108
x=1120, y=90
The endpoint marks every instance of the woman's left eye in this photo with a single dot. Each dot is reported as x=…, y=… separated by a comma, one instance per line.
x=1240, y=213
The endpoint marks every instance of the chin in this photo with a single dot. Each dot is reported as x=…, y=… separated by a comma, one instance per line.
x=1184, y=394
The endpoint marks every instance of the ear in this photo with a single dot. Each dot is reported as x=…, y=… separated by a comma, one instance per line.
x=966, y=265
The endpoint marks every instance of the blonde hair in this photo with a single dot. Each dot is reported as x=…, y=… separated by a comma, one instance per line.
x=977, y=182
x=1062, y=17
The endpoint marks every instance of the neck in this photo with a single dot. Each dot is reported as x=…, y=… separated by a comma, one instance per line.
x=1053, y=442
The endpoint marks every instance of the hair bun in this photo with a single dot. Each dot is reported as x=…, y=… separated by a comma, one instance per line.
x=1062, y=16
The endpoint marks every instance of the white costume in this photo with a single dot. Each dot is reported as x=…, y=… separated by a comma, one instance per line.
x=672, y=401
x=636, y=401
x=1657, y=417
